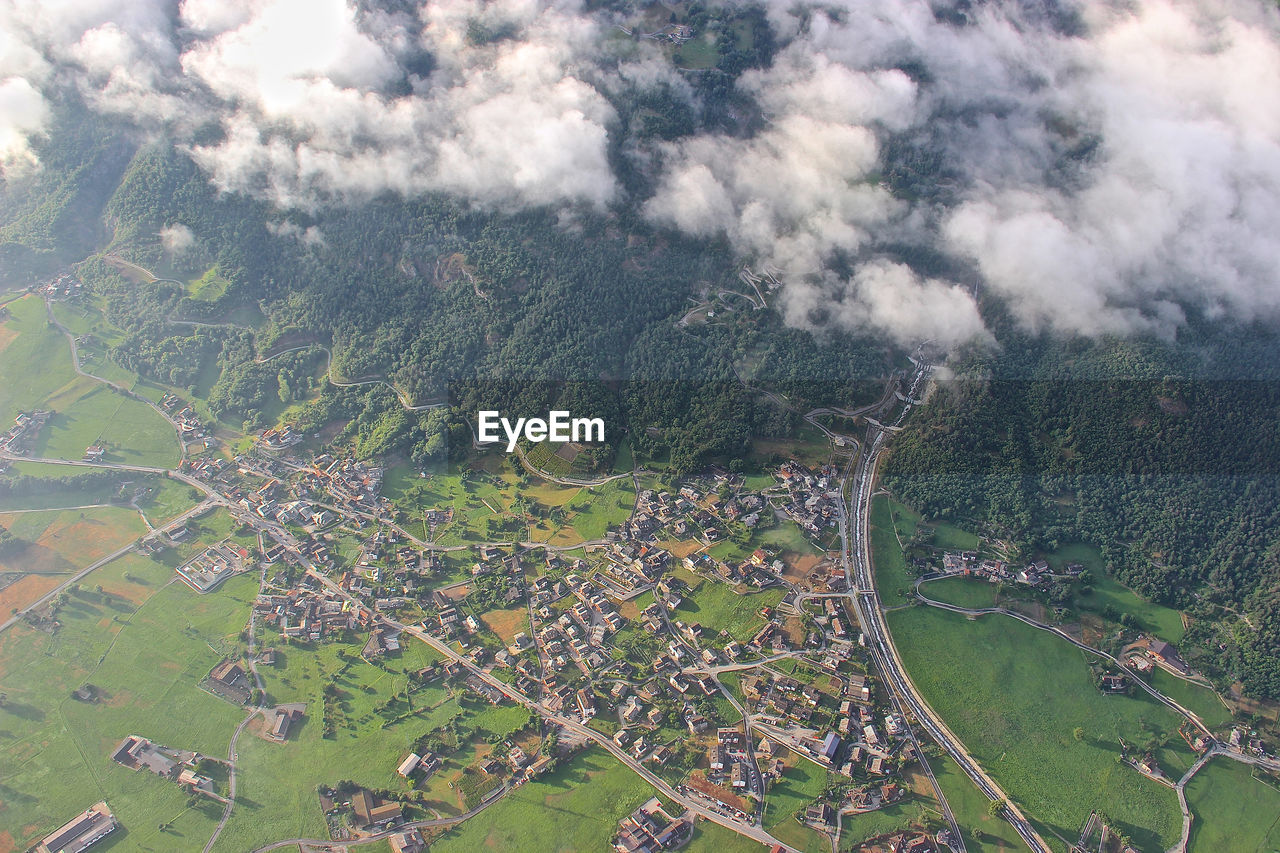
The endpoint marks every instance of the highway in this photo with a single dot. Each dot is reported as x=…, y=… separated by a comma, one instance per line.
x=865, y=600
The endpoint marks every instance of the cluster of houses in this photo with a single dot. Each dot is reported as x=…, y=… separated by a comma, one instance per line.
x=699, y=510
x=631, y=566
x=812, y=498
x=578, y=634
x=861, y=738
x=650, y=829
x=21, y=437
x=1249, y=742
x=1034, y=574
x=761, y=569
x=279, y=439
x=729, y=762
x=61, y=286
x=309, y=614
x=138, y=753
x=190, y=427
x=214, y=565
x=350, y=484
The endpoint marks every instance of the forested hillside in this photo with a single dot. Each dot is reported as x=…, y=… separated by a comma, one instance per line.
x=1167, y=461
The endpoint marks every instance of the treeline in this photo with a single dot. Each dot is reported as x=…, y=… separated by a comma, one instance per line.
x=24, y=486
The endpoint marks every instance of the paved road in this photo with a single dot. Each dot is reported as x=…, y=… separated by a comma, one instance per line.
x=866, y=603
x=87, y=570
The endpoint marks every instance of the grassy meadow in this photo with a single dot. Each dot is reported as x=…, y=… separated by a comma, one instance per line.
x=35, y=358
x=1233, y=809
x=575, y=807
x=1015, y=695
x=717, y=607
x=802, y=782
x=145, y=642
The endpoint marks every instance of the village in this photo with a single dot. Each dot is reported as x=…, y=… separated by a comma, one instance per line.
x=608, y=637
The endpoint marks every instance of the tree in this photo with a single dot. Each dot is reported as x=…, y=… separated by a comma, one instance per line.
x=996, y=807
x=1078, y=733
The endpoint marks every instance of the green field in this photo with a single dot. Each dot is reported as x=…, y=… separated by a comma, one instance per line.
x=1014, y=695
x=373, y=731
x=1165, y=622
x=800, y=785
x=37, y=366
x=886, y=556
x=576, y=807
x=698, y=53
x=490, y=504
x=595, y=509
x=952, y=538
x=208, y=287
x=785, y=537
x=1199, y=700
x=717, y=607
x=1233, y=810
x=145, y=643
x=963, y=592
x=711, y=837
x=983, y=833
x=163, y=500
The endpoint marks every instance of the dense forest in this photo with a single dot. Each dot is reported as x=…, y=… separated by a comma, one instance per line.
x=1174, y=476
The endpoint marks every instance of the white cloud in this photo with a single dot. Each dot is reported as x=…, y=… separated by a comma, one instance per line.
x=177, y=238
x=1106, y=167
x=23, y=112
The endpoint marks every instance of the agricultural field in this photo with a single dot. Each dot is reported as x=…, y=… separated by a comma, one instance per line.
x=717, y=607
x=1233, y=809
x=983, y=833
x=802, y=782
x=38, y=362
x=1164, y=622
x=374, y=727
x=145, y=642
x=575, y=807
x=60, y=542
x=1015, y=695
x=892, y=579
x=962, y=592
x=809, y=447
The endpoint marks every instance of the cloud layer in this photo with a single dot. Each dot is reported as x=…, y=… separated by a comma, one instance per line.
x=1101, y=168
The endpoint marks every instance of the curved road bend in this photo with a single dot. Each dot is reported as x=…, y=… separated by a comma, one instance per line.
x=867, y=607
x=115, y=386
x=1191, y=716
